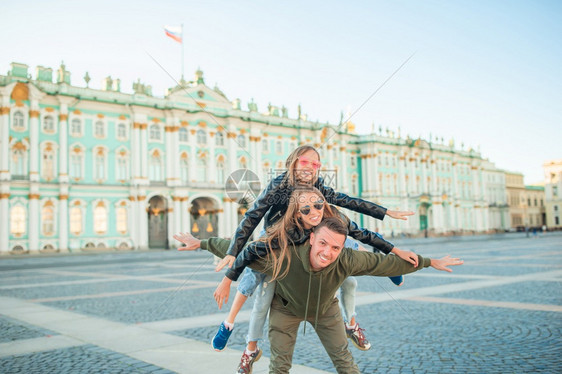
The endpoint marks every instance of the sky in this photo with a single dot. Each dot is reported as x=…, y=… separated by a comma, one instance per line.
x=487, y=74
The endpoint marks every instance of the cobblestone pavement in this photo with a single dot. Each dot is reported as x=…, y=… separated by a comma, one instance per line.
x=153, y=312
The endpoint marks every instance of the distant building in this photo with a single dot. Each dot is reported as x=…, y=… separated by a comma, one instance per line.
x=87, y=168
x=534, y=205
x=515, y=187
x=526, y=203
x=553, y=192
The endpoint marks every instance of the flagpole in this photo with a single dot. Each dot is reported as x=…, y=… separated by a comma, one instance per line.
x=182, y=67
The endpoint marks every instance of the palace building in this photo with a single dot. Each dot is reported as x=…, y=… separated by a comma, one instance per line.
x=88, y=168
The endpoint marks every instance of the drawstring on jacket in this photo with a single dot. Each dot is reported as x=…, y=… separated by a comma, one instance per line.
x=307, y=298
x=317, y=302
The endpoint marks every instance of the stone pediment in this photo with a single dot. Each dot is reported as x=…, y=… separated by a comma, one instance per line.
x=200, y=93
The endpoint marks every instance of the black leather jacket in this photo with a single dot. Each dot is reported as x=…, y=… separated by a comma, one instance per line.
x=259, y=249
x=272, y=203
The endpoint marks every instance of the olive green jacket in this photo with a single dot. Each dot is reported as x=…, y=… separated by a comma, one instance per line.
x=306, y=292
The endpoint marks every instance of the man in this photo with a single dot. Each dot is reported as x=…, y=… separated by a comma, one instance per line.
x=316, y=271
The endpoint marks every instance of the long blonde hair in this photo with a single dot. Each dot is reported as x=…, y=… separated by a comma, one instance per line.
x=277, y=239
x=291, y=163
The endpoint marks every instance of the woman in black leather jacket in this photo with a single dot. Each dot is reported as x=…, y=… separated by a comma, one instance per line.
x=303, y=166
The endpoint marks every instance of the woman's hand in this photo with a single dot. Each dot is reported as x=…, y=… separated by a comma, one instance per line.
x=409, y=256
x=399, y=214
x=227, y=260
x=222, y=292
x=191, y=242
x=442, y=263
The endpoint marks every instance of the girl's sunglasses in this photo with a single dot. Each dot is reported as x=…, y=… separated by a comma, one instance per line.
x=305, y=210
x=304, y=162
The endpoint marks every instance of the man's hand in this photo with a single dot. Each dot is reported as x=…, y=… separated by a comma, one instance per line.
x=409, y=256
x=191, y=242
x=222, y=292
x=227, y=260
x=399, y=214
x=442, y=263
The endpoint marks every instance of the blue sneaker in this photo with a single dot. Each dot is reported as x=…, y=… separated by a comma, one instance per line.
x=398, y=280
x=221, y=338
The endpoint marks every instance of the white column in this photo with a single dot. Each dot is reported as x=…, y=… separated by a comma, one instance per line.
x=5, y=217
x=192, y=148
x=402, y=175
x=343, y=168
x=424, y=175
x=179, y=215
x=136, y=154
x=455, y=181
x=186, y=217
x=212, y=160
x=412, y=184
x=63, y=218
x=329, y=148
x=438, y=216
x=173, y=216
x=475, y=183
x=144, y=152
x=34, y=142
x=33, y=222
x=376, y=187
x=63, y=143
x=231, y=149
x=143, y=220
x=5, y=141
x=257, y=155
x=171, y=154
x=222, y=224
x=133, y=219
x=433, y=178
x=364, y=174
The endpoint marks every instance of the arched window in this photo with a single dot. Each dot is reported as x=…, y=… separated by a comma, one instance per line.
x=265, y=146
x=75, y=214
x=19, y=156
x=100, y=218
x=243, y=163
x=184, y=169
x=155, y=133
x=76, y=127
x=48, y=162
x=278, y=147
x=48, y=124
x=48, y=219
x=241, y=140
x=183, y=134
x=19, y=120
x=122, y=219
x=202, y=169
x=220, y=169
x=219, y=139
x=155, y=167
x=99, y=129
x=201, y=137
x=76, y=162
x=99, y=164
x=17, y=220
x=122, y=165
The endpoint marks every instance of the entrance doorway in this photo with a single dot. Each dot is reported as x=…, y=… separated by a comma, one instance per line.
x=204, y=218
x=157, y=223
